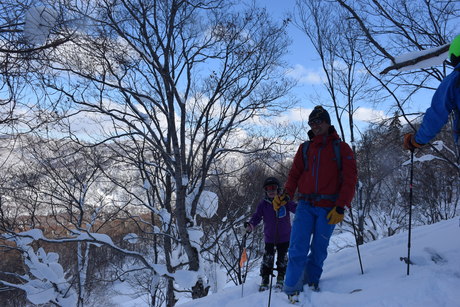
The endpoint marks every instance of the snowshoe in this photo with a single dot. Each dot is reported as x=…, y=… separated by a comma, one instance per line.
x=293, y=298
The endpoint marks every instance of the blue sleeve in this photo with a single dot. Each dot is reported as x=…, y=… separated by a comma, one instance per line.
x=258, y=215
x=443, y=102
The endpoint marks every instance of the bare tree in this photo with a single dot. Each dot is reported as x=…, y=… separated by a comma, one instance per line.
x=387, y=29
x=340, y=57
x=364, y=36
x=342, y=63
x=180, y=80
x=382, y=181
x=55, y=191
x=28, y=31
x=61, y=188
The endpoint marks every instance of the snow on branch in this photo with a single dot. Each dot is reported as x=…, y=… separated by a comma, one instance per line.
x=45, y=280
x=419, y=59
x=50, y=270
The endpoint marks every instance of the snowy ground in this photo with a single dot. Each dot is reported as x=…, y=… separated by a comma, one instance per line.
x=432, y=281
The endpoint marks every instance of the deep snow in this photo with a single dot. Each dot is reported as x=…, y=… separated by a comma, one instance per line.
x=385, y=281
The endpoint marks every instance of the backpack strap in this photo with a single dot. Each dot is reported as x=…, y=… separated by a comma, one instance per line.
x=338, y=156
x=305, y=147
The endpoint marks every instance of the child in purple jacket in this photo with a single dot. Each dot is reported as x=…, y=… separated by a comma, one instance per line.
x=277, y=231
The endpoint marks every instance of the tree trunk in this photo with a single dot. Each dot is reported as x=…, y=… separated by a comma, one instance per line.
x=170, y=298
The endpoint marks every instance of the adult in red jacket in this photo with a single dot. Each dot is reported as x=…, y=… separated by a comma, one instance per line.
x=323, y=193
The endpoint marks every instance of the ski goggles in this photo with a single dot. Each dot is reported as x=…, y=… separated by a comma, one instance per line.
x=272, y=187
x=315, y=122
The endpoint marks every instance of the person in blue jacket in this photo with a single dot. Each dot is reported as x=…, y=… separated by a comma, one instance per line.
x=445, y=100
x=277, y=231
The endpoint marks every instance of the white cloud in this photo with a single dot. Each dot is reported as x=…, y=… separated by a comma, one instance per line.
x=294, y=115
x=304, y=75
x=301, y=114
x=369, y=115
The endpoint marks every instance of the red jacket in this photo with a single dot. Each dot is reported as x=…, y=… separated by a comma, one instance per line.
x=323, y=176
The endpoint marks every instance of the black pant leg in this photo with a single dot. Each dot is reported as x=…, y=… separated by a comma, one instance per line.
x=281, y=259
x=267, y=261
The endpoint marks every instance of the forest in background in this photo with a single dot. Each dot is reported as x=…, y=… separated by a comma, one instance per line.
x=136, y=136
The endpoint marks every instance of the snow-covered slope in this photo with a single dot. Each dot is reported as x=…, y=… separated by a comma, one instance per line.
x=433, y=281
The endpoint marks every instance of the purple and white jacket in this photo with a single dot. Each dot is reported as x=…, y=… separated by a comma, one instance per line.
x=274, y=231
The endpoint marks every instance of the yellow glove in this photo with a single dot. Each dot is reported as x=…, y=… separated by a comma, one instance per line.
x=336, y=215
x=280, y=200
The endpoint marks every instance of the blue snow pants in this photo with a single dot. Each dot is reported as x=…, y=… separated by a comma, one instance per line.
x=310, y=225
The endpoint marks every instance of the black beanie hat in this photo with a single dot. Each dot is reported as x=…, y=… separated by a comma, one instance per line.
x=270, y=181
x=320, y=113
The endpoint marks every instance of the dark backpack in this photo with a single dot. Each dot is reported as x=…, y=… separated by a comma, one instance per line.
x=338, y=157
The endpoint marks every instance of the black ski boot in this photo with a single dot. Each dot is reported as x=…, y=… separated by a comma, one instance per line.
x=313, y=286
x=264, y=284
x=293, y=298
x=279, y=283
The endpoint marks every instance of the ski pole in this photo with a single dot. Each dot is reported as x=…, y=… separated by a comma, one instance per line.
x=356, y=239
x=243, y=259
x=275, y=248
x=410, y=207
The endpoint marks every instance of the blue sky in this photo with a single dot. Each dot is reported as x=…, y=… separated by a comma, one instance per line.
x=301, y=54
x=306, y=64
x=307, y=69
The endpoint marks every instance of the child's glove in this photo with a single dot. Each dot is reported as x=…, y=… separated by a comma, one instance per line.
x=280, y=200
x=336, y=215
x=248, y=227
